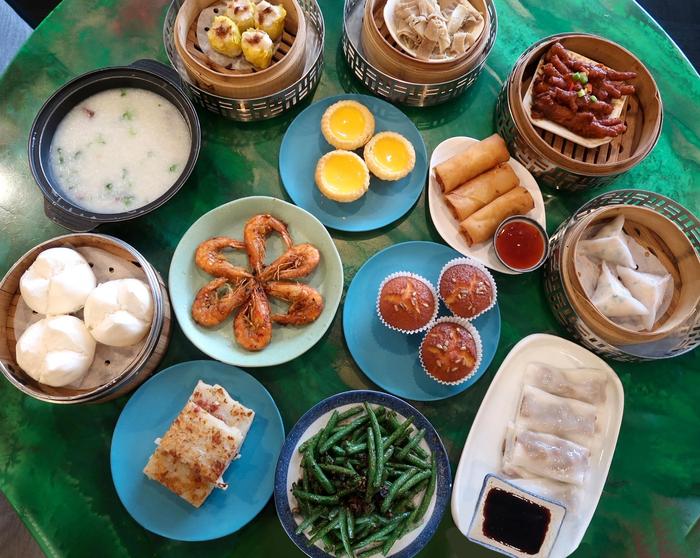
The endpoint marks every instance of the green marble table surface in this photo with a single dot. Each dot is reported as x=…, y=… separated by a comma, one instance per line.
x=54, y=460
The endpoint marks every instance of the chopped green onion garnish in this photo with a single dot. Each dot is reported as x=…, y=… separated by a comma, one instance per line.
x=593, y=99
x=108, y=186
x=580, y=93
x=583, y=78
x=172, y=168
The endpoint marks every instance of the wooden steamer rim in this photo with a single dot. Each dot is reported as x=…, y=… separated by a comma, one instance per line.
x=663, y=238
x=134, y=373
x=643, y=111
x=288, y=61
x=384, y=53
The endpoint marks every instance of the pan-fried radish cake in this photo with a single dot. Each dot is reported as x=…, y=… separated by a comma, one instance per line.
x=200, y=444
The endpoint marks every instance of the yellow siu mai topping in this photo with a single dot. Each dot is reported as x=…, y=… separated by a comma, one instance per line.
x=270, y=18
x=257, y=48
x=347, y=125
x=224, y=36
x=389, y=156
x=242, y=12
x=342, y=176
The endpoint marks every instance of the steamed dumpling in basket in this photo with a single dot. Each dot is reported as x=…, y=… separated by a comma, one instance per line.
x=624, y=281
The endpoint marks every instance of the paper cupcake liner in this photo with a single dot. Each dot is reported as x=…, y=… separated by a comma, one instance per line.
x=414, y=276
x=479, y=266
x=466, y=324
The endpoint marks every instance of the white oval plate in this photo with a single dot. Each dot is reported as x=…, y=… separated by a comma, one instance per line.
x=448, y=226
x=483, y=449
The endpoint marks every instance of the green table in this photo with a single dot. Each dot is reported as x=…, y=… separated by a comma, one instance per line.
x=54, y=460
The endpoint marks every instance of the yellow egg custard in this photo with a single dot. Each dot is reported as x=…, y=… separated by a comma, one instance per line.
x=342, y=176
x=224, y=36
x=347, y=125
x=389, y=156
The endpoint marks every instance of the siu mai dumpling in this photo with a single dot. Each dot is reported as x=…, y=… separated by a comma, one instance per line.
x=609, y=245
x=257, y=48
x=270, y=18
x=649, y=289
x=224, y=36
x=242, y=12
x=613, y=299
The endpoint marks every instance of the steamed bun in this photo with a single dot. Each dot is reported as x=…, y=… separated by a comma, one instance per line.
x=119, y=313
x=56, y=351
x=58, y=282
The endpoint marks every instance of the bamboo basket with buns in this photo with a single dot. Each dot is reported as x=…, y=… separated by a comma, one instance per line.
x=108, y=256
x=287, y=64
x=662, y=227
x=562, y=163
x=383, y=52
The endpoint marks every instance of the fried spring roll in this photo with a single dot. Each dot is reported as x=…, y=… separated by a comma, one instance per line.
x=481, y=225
x=482, y=190
x=471, y=162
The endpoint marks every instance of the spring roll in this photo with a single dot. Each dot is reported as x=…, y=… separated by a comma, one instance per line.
x=482, y=190
x=481, y=225
x=471, y=162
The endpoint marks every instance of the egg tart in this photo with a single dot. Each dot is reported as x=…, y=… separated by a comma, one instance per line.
x=389, y=156
x=342, y=176
x=347, y=125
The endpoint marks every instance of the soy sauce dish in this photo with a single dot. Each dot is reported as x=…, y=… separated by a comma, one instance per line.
x=113, y=144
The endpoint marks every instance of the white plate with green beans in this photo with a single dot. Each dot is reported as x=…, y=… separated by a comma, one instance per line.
x=362, y=473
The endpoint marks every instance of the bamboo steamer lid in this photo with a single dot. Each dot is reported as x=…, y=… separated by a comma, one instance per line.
x=667, y=242
x=288, y=61
x=382, y=51
x=643, y=112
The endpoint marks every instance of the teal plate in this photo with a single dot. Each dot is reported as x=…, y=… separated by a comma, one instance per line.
x=390, y=358
x=385, y=201
x=148, y=415
x=185, y=279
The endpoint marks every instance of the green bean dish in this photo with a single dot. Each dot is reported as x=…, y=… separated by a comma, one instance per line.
x=365, y=482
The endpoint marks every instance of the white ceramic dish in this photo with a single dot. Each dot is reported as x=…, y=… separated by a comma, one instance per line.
x=483, y=449
x=448, y=226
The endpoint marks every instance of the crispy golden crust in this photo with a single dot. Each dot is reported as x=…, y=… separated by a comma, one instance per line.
x=348, y=143
x=381, y=171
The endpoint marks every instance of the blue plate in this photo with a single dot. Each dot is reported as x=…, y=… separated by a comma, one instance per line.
x=148, y=415
x=289, y=464
x=303, y=145
x=390, y=358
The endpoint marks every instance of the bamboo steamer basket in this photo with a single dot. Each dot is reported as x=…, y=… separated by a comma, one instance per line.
x=125, y=376
x=662, y=238
x=561, y=163
x=382, y=51
x=660, y=225
x=286, y=68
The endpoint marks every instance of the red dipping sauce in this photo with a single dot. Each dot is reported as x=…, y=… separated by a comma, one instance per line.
x=520, y=244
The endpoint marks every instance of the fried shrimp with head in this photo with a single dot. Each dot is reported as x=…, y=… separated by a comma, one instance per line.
x=306, y=303
x=216, y=300
x=298, y=261
x=253, y=325
x=209, y=258
x=255, y=234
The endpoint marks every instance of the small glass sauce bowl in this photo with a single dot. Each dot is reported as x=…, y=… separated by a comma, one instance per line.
x=521, y=244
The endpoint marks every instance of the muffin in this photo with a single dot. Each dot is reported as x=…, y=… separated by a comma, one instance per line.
x=347, y=125
x=466, y=288
x=407, y=302
x=450, y=352
x=389, y=156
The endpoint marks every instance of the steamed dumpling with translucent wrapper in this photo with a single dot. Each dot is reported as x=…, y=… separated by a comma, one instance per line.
x=224, y=36
x=242, y=12
x=609, y=244
x=613, y=299
x=270, y=19
x=651, y=290
x=257, y=48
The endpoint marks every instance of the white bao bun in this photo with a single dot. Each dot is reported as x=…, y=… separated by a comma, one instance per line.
x=119, y=313
x=56, y=351
x=58, y=282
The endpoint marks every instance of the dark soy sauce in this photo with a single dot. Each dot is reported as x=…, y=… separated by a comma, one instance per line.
x=515, y=521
